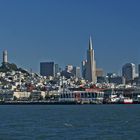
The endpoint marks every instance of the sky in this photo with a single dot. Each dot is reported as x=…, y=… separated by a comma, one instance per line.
x=33, y=31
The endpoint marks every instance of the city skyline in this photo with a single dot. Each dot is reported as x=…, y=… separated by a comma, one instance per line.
x=34, y=31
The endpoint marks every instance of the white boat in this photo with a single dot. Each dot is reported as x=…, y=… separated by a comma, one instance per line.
x=128, y=101
x=114, y=99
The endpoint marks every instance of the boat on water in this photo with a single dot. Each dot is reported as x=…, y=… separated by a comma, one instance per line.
x=128, y=101
x=114, y=99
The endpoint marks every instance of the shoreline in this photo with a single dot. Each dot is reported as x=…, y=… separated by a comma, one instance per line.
x=59, y=103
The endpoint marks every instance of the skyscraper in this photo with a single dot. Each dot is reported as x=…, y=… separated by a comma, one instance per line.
x=57, y=69
x=139, y=70
x=129, y=72
x=69, y=68
x=84, y=69
x=47, y=69
x=99, y=72
x=77, y=72
x=91, y=64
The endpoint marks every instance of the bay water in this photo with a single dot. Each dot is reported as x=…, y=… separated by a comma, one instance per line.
x=69, y=122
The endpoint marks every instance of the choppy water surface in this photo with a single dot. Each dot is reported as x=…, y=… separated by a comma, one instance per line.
x=70, y=122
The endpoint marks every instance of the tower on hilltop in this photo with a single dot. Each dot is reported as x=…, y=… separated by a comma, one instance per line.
x=90, y=64
x=5, y=56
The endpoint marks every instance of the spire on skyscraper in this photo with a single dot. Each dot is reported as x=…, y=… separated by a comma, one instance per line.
x=90, y=43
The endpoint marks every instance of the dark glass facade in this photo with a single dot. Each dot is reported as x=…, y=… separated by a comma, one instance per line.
x=47, y=69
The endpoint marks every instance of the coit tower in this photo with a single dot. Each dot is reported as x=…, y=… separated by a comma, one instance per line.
x=5, y=56
x=91, y=64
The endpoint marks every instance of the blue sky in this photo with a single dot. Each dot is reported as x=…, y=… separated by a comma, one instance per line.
x=58, y=30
